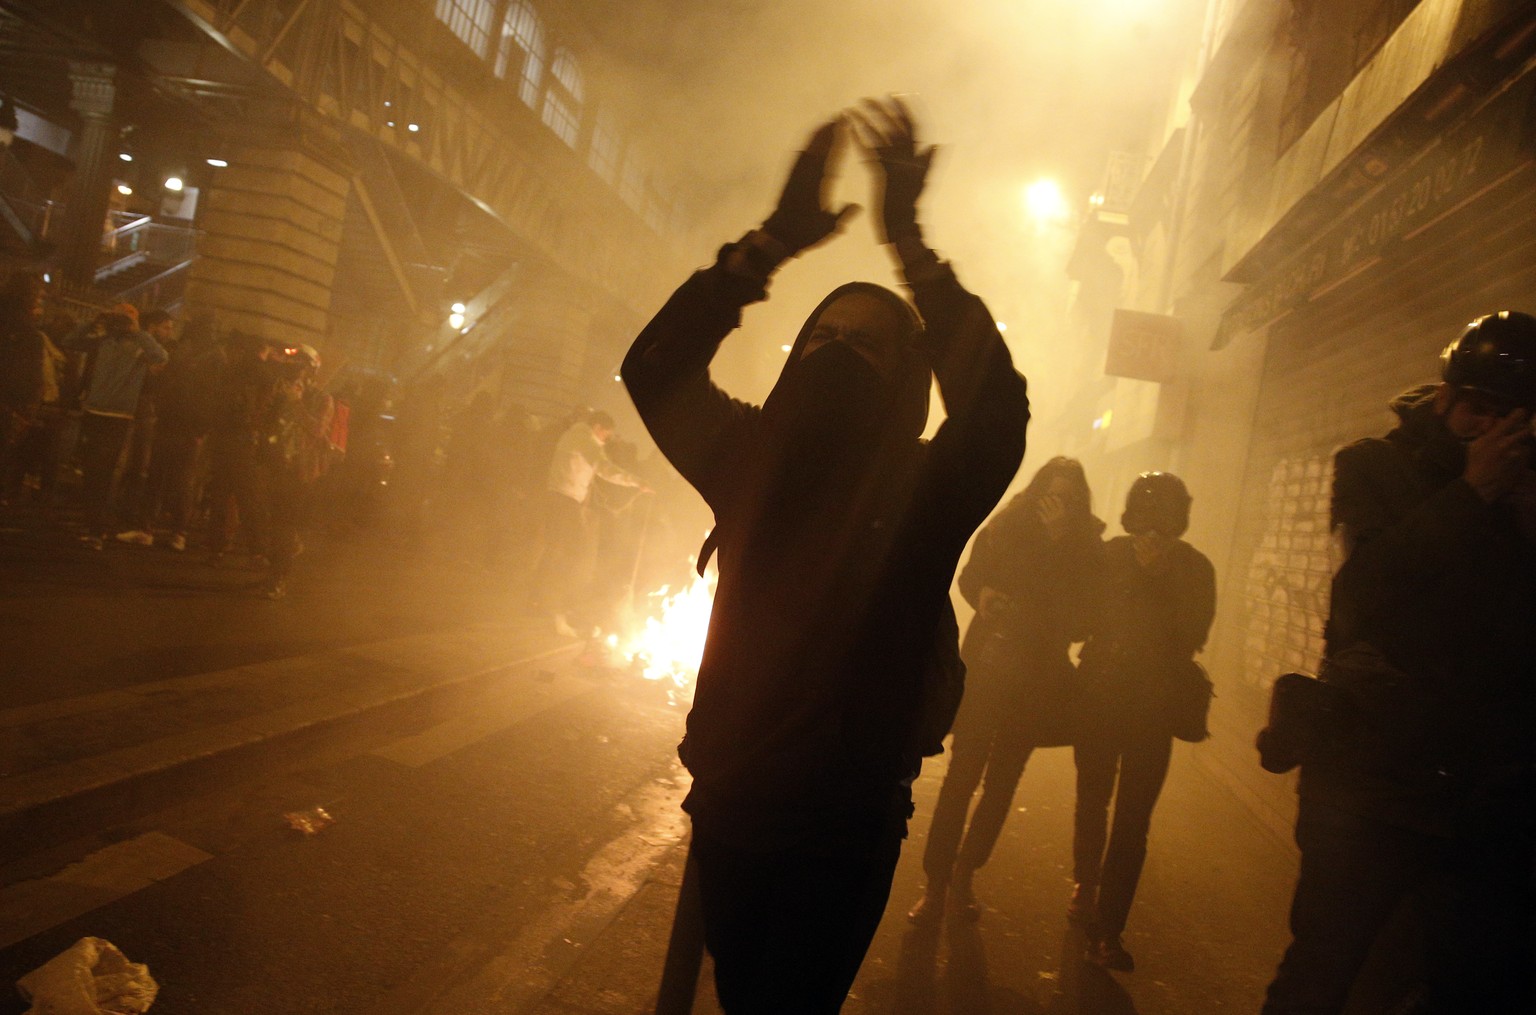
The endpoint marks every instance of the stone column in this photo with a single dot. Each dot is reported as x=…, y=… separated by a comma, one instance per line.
x=90, y=192
x=272, y=229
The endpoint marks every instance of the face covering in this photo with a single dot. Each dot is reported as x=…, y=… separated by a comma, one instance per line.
x=830, y=405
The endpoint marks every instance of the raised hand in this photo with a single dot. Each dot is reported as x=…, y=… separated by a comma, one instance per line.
x=886, y=131
x=802, y=219
x=1500, y=457
x=1053, y=515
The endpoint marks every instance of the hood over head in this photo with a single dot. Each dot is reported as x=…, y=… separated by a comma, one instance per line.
x=1422, y=432
x=907, y=389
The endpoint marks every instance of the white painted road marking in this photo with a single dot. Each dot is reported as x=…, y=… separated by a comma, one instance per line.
x=119, y=870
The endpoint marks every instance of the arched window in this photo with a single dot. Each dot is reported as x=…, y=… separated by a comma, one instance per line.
x=562, y=100
x=604, y=152
x=470, y=20
x=521, y=56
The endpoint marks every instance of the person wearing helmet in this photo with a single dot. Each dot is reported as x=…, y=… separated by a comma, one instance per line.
x=1159, y=601
x=1425, y=784
x=838, y=531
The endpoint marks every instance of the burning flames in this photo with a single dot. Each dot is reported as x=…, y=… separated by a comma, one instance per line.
x=668, y=646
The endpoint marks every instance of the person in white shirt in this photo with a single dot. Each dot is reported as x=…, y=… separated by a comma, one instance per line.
x=578, y=458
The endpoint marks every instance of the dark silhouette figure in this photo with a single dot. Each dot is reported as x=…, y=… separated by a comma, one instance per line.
x=1159, y=601
x=838, y=531
x=24, y=368
x=1421, y=775
x=1034, y=577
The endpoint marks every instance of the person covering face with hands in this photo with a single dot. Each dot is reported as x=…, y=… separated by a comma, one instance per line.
x=838, y=531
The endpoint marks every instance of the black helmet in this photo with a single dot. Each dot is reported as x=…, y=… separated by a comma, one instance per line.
x=1496, y=355
x=1159, y=502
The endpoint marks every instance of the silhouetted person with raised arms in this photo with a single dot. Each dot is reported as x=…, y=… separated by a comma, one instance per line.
x=838, y=531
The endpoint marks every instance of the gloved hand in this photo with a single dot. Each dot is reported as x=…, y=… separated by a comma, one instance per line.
x=885, y=130
x=802, y=219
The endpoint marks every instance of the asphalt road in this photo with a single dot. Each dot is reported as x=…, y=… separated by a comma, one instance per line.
x=513, y=848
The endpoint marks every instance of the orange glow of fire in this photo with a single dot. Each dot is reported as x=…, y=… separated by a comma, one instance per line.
x=670, y=644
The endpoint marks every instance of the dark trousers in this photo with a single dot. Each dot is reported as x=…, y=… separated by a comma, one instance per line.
x=1476, y=899
x=102, y=441
x=288, y=511
x=788, y=929
x=561, y=573
x=237, y=485
x=133, y=482
x=999, y=756
x=1130, y=767
x=168, y=489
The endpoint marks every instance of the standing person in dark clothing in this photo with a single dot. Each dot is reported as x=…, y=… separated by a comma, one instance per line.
x=838, y=531
x=1034, y=577
x=123, y=357
x=1159, y=601
x=1426, y=785
x=23, y=368
x=145, y=442
x=244, y=425
x=184, y=408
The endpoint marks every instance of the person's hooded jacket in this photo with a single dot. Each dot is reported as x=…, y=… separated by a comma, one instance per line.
x=123, y=356
x=838, y=532
x=1019, y=673
x=1432, y=631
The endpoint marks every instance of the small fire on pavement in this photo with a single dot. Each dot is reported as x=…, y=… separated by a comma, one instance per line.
x=668, y=645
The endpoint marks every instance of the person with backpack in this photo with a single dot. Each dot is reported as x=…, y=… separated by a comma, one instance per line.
x=838, y=531
x=1034, y=577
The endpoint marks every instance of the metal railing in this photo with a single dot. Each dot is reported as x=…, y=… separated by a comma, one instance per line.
x=143, y=239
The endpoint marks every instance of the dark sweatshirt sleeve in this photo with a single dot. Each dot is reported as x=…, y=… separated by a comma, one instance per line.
x=1387, y=546
x=979, y=447
x=977, y=572
x=1079, y=582
x=666, y=372
x=1196, y=609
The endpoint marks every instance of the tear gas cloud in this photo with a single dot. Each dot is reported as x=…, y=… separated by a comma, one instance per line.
x=1013, y=92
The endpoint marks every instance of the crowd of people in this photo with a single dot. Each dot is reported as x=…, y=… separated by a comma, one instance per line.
x=166, y=429
x=130, y=428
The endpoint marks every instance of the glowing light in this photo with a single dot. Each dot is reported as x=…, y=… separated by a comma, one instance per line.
x=389, y=123
x=1096, y=200
x=1045, y=202
x=173, y=183
x=1001, y=326
x=124, y=189
x=456, y=321
x=670, y=646
x=218, y=163
x=413, y=127
x=785, y=348
x=125, y=156
x=617, y=377
x=459, y=308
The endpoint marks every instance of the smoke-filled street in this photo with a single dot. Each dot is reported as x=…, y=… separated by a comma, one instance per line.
x=778, y=507
x=506, y=835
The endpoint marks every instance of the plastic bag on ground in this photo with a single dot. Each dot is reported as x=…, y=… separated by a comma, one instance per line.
x=91, y=977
